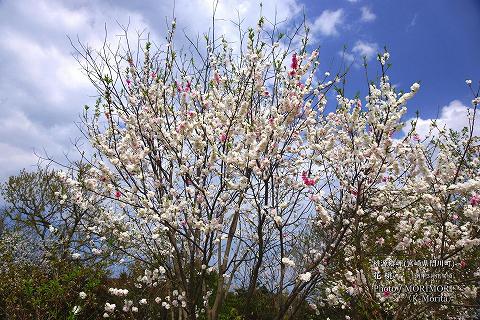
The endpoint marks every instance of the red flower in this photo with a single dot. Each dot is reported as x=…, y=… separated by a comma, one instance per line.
x=294, y=64
x=180, y=127
x=475, y=200
x=179, y=86
x=117, y=194
x=308, y=181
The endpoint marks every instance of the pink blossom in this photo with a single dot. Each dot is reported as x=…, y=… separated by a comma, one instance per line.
x=463, y=264
x=308, y=181
x=129, y=82
x=475, y=200
x=223, y=137
x=386, y=293
x=216, y=77
x=180, y=127
x=117, y=194
x=294, y=64
x=179, y=86
x=416, y=137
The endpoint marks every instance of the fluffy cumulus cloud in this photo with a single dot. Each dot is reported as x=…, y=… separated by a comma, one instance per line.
x=247, y=11
x=42, y=87
x=361, y=49
x=328, y=22
x=365, y=49
x=454, y=116
x=367, y=15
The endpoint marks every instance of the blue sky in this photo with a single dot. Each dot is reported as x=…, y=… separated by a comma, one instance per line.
x=42, y=90
x=435, y=42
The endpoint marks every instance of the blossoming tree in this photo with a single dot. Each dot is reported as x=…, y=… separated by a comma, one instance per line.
x=221, y=168
x=410, y=211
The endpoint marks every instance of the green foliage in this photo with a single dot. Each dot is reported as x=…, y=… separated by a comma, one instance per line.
x=50, y=291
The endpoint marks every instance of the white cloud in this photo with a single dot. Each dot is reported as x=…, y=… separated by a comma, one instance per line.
x=413, y=22
x=42, y=89
x=452, y=116
x=13, y=159
x=21, y=139
x=365, y=49
x=352, y=1
x=195, y=16
x=347, y=56
x=367, y=15
x=327, y=23
x=53, y=71
x=361, y=49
